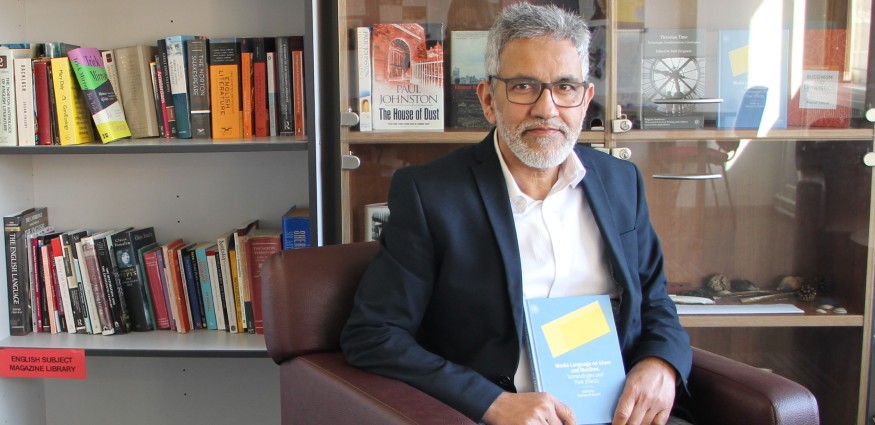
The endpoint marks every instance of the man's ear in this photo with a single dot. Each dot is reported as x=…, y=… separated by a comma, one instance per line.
x=484, y=92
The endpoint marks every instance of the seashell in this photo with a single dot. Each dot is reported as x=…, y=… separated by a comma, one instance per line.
x=820, y=311
x=840, y=310
x=790, y=283
x=718, y=282
x=825, y=306
x=743, y=285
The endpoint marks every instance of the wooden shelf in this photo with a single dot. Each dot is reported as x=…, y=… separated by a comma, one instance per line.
x=715, y=134
x=162, y=145
x=771, y=320
x=201, y=343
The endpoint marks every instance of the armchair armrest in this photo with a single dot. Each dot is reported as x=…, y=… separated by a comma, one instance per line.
x=728, y=392
x=323, y=389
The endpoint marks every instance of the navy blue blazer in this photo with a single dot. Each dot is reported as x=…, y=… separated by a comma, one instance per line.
x=440, y=307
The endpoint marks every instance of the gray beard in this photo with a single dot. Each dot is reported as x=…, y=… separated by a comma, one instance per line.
x=549, y=156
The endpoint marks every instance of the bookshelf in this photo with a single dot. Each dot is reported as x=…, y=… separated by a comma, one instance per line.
x=193, y=189
x=786, y=199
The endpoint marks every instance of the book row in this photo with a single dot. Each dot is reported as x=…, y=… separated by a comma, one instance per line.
x=122, y=280
x=182, y=87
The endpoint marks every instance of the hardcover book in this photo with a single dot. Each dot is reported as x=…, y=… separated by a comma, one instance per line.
x=44, y=107
x=824, y=97
x=135, y=86
x=575, y=353
x=261, y=244
x=106, y=262
x=17, y=227
x=199, y=87
x=408, y=70
x=74, y=119
x=672, y=79
x=163, y=73
x=132, y=277
x=376, y=216
x=296, y=228
x=467, y=70
x=261, y=122
x=753, y=81
x=95, y=277
x=225, y=104
x=153, y=262
x=177, y=65
x=363, y=71
x=105, y=108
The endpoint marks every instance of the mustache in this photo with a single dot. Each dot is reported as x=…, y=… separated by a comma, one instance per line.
x=554, y=124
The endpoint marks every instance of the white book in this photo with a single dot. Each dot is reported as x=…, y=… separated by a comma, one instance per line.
x=216, y=292
x=65, y=294
x=93, y=314
x=363, y=59
x=271, y=92
x=227, y=281
x=8, y=108
x=25, y=102
x=112, y=73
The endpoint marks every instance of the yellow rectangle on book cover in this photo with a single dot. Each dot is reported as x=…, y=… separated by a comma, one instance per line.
x=575, y=329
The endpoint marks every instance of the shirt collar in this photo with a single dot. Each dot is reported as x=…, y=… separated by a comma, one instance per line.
x=571, y=172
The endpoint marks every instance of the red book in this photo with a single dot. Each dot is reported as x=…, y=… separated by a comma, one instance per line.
x=298, y=91
x=44, y=107
x=259, y=97
x=824, y=95
x=174, y=279
x=261, y=244
x=157, y=287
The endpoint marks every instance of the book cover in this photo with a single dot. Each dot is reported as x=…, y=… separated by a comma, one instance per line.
x=285, y=107
x=224, y=244
x=218, y=286
x=95, y=277
x=177, y=64
x=199, y=87
x=298, y=93
x=175, y=292
x=247, y=79
x=673, y=77
x=17, y=227
x=108, y=57
x=271, y=93
x=206, y=284
x=156, y=96
x=261, y=244
x=108, y=268
x=78, y=306
x=105, y=108
x=575, y=353
x=467, y=68
x=193, y=285
x=135, y=87
x=74, y=118
x=25, y=102
x=154, y=266
x=8, y=105
x=296, y=228
x=376, y=216
x=40, y=300
x=225, y=103
x=163, y=74
x=244, y=294
x=44, y=108
x=61, y=286
x=86, y=287
x=408, y=84
x=129, y=281
x=364, y=76
x=753, y=79
x=823, y=97
x=260, y=120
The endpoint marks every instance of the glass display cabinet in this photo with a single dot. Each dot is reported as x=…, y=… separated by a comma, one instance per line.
x=748, y=122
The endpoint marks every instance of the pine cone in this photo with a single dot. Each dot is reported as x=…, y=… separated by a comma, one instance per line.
x=719, y=282
x=806, y=293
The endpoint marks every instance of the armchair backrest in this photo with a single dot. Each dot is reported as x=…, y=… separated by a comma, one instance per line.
x=307, y=297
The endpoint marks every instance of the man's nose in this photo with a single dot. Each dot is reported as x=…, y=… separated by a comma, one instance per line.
x=545, y=107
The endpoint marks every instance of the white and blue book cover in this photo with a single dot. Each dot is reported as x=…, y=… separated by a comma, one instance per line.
x=575, y=354
x=753, y=79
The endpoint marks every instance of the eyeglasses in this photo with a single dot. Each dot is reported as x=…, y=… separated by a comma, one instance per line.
x=525, y=91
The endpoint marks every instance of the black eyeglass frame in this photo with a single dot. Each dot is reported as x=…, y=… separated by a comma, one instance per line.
x=543, y=85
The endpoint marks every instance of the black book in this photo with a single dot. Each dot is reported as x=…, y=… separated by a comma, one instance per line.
x=103, y=248
x=130, y=279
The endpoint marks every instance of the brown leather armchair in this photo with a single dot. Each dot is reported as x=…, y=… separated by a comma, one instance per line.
x=306, y=298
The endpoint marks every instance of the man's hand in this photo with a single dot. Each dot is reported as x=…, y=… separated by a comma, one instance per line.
x=648, y=395
x=528, y=409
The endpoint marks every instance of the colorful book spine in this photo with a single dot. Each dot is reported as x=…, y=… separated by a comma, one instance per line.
x=16, y=228
x=44, y=110
x=206, y=285
x=169, y=111
x=74, y=120
x=199, y=87
x=106, y=110
x=296, y=228
x=177, y=64
x=158, y=287
x=247, y=79
x=363, y=65
x=227, y=112
x=271, y=94
x=298, y=95
x=260, y=123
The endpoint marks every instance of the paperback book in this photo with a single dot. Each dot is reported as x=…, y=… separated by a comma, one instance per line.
x=823, y=98
x=575, y=354
x=672, y=79
x=408, y=83
x=467, y=70
x=106, y=110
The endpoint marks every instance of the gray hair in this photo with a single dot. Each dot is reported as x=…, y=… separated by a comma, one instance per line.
x=523, y=21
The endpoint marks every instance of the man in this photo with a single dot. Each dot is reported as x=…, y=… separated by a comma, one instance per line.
x=517, y=216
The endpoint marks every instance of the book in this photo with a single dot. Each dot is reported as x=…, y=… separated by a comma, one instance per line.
x=192, y=287
x=175, y=291
x=225, y=104
x=296, y=228
x=298, y=93
x=823, y=97
x=95, y=279
x=260, y=120
x=284, y=84
x=17, y=227
x=109, y=277
x=244, y=295
x=25, y=102
x=132, y=278
x=57, y=323
x=260, y=245
x=61, y=287
x=467, y=69
x=44, y=106
x=227, y=267
x=177, y=64
x=8, y=105
x=575, y=354
x=74, y=118
x=92, y=324
x=132, y=65
x=156, y=96
x=218, y=288
x=753, y=81
x=42, y=321
x=206, y=293
x=106, y=110
x=673, y=75
x=363, y=73
x=271, y=94
x=86, y=287
x=407, y=88
x=376, y=216
x=199, y=88
x=55, y=49
x=153, y=262
x=56, y=132
x=163, y=74
x=108, y=57
x=247, y=78
x=78, y=309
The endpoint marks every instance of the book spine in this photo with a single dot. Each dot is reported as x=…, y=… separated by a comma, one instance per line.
x=16, y=230
x=77, y=307
x=206, y=289
x=271, y=94
x=238, y=294
x=224, y=267
x=183, y=312
x=363, y=60
x=167, y=97
x=111, y=288
x=25, y=102
x=189, y=267
x=74, y=125
x=296, y=232
x=128, y=281
x=199, y=80
x=135, y=85
x=154, y=275
x=259, y=249
x=8, y=120
x=106, y=110
x=218, y=286
x=61, y=285
x=156, y=97
x=43, y=102
x=56, y=132
x=241, y=247
x=101, y=299
x=227, y=114
x=178, y=86
x=298, y=91
x=285, y=111
x=246, y=83
x=261, y=126
x=38, y=316
x=112, y=73
x=56, y=307
x=166, y=288
x=88, y=288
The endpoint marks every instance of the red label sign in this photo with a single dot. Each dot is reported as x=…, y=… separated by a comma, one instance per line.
x=42, y=363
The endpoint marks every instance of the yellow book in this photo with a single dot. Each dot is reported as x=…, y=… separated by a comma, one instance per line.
x=74, y=119
x=225, y=101
x=232, y=254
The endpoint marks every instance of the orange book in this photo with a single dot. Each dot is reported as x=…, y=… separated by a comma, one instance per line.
x=175, y=292
x=225, y=99
x=246, y=83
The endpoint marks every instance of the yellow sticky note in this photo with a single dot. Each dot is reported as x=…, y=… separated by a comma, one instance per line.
x=738, y=61
x=575, y=329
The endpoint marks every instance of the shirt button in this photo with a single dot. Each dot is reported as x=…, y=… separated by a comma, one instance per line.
x=503, y=380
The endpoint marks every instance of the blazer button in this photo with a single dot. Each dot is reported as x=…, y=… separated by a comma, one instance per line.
x=504, y=381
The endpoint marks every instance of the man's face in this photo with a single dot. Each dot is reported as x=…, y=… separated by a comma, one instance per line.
x=540, y=135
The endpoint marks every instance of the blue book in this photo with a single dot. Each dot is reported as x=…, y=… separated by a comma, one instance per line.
x=575, y=354
x=177, y=59
x=189, y=271
x=206, y=287
x=296, y=228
